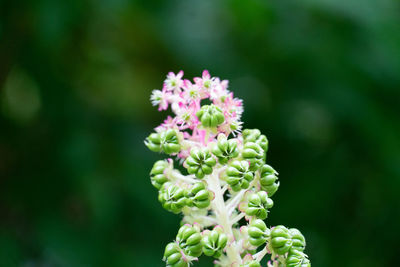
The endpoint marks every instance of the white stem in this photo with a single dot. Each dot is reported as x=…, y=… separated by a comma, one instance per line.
x=260, y=255
x=237, y=218
x=222, y=217
x=233, y=202
x=188, y=179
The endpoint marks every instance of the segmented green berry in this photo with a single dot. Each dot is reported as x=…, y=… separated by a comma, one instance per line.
x=225, y=149
x=210, y=116
x=297, y=259
x=255, y=136
x=268, y=180
x=173, y=256
x=189, y=239
x=281, y=239
x=199, y=196
x=153, y=142
x=238, y=175
x=166, y=141
x=258, y=232
x=214, y=242
x=200, y=162
x=299, y=242
x=251, y=264
x=258, y=205
x=170, y=142
x=157, y=175
x=254, y=154
x=172, y=197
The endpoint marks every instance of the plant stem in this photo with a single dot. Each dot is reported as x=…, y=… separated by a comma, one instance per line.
x=222, y=217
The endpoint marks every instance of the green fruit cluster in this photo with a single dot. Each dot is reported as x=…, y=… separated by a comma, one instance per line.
x=189, y=240
x=268, y=180
x=225, y=149
x=173, y=256
x=167, y=142
x=255, y=136
x=172, y=197
x=297, y=259
x=200, y=162
x=254, y=154
x=214, y=242
x=210, y=116
x=198, y=196
x=258, y=232
x=157, y=175
x=238, y=175
x=258, y=205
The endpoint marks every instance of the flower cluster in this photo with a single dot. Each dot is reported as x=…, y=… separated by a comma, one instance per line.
x=226, y=194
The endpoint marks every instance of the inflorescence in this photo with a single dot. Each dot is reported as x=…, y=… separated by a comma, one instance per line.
x=226, y=195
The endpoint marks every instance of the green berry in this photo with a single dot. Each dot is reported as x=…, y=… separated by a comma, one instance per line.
x=238, y=175
x=157, y=175
x=258, y=232
x=200, y=162
x=297, y=259
x=254, y=154
x=225, y=149
x=173, y=256
x=299, y=242
x=167, y=141
x=268, y=180
x=189, y=239
x=214, y=242
x=172, y=197
x=199, y=196
x=280, y=239
x=210, y=116
x=258, y=205
x=255, y=136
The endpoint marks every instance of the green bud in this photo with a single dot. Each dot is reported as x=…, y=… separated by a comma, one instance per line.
x=238, y=175
x=200, y=162
x=258, y=205
x=268, y=180
x=299, y=242
x=157, y=175
x=172, y=197
x=173, y=256
x=210, y=116
x=167, y=141
x=281, y=239
x=225, y=149
x=189, y=239
x=253, y=153
x=214, y=242
x=255, y=136
x=199, y=196
x=297, y=259
x=251, y=264
x=258, y=232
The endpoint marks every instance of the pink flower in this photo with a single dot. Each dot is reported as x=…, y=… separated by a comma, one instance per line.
x=174, y=82
x=160, y=98
x=205, y=82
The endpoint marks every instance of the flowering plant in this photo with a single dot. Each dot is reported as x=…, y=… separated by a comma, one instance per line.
x=226, y=195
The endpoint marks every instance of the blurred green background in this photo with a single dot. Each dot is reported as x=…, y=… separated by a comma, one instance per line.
x=321, y=78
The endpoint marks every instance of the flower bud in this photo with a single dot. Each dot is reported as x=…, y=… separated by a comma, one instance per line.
x=172, y=197
x=210, y=116
x=189, y=239
x=268, y=180
x=280, y=239
x=238, y=175
x=258, y=232
x=173, y=256
x=255, y=136
x=199, y=196
x=225, y=149
x=254, y=154
x=157, y=175
x=200, y=162
x=299, y=242
x=214, y=242
x=297, y=259
x=258, y=205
